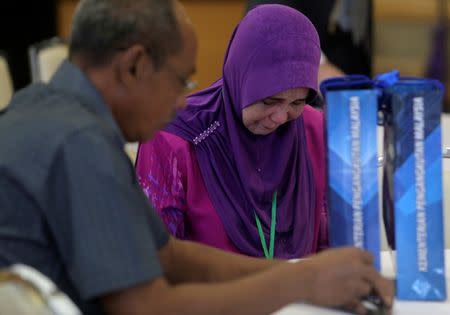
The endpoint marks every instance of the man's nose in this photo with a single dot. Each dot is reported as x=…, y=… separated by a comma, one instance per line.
x=180, y=102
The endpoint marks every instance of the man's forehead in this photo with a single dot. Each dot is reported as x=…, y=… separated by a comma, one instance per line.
x=187, y=56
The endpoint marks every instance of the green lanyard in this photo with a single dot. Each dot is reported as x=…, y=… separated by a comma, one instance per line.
x=273, y=223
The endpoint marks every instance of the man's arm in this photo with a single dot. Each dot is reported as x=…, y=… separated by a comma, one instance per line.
x=262, y=293
x=328, y=70
x=333, y=278
x=185, y=261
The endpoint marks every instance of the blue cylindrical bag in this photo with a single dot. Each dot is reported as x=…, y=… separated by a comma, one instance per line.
x=412, y=183
x=349, y=82
x=351, y=136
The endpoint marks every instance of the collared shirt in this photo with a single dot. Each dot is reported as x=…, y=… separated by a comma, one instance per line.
x=70, y=203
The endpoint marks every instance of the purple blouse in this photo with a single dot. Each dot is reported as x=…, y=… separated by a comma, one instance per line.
x=169, y=174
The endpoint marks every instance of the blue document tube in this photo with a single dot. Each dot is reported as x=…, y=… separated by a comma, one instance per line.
x=413, y=190
x=351, y=120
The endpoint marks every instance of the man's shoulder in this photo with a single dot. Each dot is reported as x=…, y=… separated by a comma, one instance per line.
x=49, y=114
x=42, y=103
x=39, y=120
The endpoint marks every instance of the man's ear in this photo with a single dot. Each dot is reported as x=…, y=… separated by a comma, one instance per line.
x=134, y=64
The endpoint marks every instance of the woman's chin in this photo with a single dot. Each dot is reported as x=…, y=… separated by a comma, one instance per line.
x=264, y=130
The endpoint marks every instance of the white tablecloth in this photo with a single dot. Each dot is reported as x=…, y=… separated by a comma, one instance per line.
x=400, y=307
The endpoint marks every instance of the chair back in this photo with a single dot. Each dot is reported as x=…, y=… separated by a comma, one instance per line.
x=45, y=57
x=6, y=85
x=25, y=291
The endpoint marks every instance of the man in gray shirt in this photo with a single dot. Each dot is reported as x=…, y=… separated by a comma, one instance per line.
x=71, y=206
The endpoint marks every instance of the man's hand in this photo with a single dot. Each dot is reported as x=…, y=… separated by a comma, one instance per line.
x=334, y=278
x=341, y=277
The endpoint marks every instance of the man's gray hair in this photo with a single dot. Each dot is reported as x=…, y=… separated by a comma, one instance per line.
x=101, y=28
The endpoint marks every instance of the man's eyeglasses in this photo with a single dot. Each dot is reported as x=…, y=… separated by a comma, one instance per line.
x=187, y=84
x=190, y=85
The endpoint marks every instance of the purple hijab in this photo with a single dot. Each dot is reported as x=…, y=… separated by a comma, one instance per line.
x=274, y=48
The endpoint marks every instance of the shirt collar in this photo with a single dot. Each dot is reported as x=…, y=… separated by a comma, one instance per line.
x=71, y=79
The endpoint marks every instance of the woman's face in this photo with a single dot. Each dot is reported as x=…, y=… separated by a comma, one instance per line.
x=263, y=117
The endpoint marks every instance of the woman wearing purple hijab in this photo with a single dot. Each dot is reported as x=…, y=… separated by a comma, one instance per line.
x=242, y=167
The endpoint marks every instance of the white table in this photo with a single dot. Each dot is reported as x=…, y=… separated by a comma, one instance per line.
x=400, y=307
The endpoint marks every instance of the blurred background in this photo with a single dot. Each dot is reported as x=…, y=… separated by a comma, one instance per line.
x=408, y=35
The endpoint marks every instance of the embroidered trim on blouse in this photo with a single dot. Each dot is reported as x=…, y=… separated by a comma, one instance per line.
x=206, y=133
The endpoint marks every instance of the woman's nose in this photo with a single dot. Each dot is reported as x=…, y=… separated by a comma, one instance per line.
x=280, y=116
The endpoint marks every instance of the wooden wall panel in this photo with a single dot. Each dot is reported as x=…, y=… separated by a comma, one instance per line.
x=403, y=36
x=402, y=33
x=214, y=21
